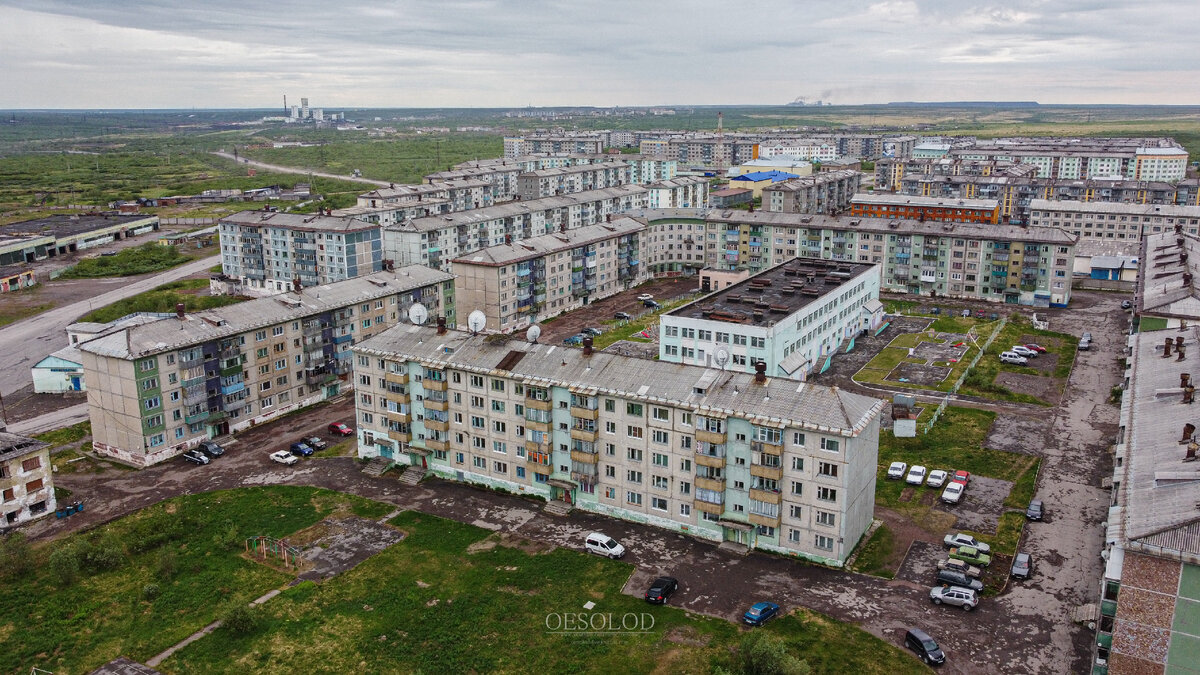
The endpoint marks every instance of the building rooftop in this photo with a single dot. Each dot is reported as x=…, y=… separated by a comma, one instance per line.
x=892, y=199
x=774, y=294
x=577, y=168
x=509, y=209
x=1119, y=208
x=678, y=181
x=806, y=182
x=213, y=324
x=536, y=247
x=67, y=225
x=730, y=192
x=984, y=231
x=16, y=445
x=779, y=402
x=298, y=221
x=1168, y=275
x=773, y=176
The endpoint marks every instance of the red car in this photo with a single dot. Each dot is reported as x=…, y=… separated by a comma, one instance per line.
x=963, y=477
x=1036, y=347
x=340, y=429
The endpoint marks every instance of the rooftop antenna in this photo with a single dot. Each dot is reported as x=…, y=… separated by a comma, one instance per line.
x=534, y=332
x=418, y=314
x=721, y=357
x=476, y=320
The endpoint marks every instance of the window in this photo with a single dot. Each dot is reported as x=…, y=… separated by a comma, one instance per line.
x=661, y=414
x=797, y=464
x=500, y=467
x=659, y=459
x=766, y=531
x=31, y=464
x=797, y=438
x=33, y=486
x=476, y=401
x=633, y=409
x=477, y=422
x=498, y=385
x=660, y=482
x=797, y=487
x=661, y=437
x=634, y=498
x=685, y=488
x=658, y=503
x=479, y=462
x=500, y=447
x=633, y=476
x=609, y=493
x=824, y=543
x=685, y=509
x=635, y=454
x=793, y=536
x=610, y=427
x=634, y=432
x=827, y=469
x=477, y=381
x=825, y=518
x=610, y=405
x=829, y=445
x=827, y=494
x=794, y=511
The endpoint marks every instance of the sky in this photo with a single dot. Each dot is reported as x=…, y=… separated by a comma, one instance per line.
x=484, y=53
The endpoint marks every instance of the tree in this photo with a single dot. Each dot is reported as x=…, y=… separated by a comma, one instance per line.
x=766, y=654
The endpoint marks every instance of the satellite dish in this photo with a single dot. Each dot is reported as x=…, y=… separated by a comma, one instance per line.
x=418, y=314
x=534, y=332
x=476, y=321
x=721, y=357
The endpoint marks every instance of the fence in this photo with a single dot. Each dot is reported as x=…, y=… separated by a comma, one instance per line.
x=963, y=378
x=263, y=547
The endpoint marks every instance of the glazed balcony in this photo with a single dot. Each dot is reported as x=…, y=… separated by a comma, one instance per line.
x=773, y=472
x=715, y=509
x=768, y=521
x=705, y=436
x=437, y=425
x=768, y=496
x=433, y=385
x=716, y=484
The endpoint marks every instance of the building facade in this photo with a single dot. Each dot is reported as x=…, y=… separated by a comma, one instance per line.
x=682, y=192
x=161, y=387
x=571, y=179
x=1112, y=221
x=265, y=251
x=1153, y=159
x=823, y=193
x=526, y=281
x=792, y=317
x=26, y=480
x=886, y=205
x=717, y=455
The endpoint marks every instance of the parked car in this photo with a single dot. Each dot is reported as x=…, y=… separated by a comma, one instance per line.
x=1086, y=336
x=1085, y=345
x=916, y=475
x=966, y=313
x=623, y=316
x=315, y=442
x=1022, y=566
x=979, y=314
x=576, y=339
x=651, y=304
x=195, y=456
x=645, y=296
x=937, y=478
x=661, y=589
x=593, y=331
x=955, y=578
x=924, y=647
x=959, y=566
x=896, y=470
x=760, y=613
x=954, y=595
x=961, y=476
x=340, y=429
x=1035, y=511
x=1013, y=358
x=1125, y=304
x=602, y=544
x=964, y=539
x=301, y=450
x=972, y=555
x=1022, y=350
x=936, y=311
x=211, y=449
x=953, y=493
x=1036, y=347
x=284, y=457
x=993, y=316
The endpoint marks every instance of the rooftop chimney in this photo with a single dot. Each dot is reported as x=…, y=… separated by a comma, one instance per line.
x=587, y=346
x=296, y=285
x=179, y=311
x=441, y=325
x=760, y=372
x=1188, y=430
x=1187, y=279
x=608, y=217
x=1189, y=394
x=1179, y=352
x=1184, y=379
x=508, y=240
x=1166, y=348
x=1178, y=342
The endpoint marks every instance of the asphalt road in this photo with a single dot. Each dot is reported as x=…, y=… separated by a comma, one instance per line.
x=291, y=169
x=30, y=340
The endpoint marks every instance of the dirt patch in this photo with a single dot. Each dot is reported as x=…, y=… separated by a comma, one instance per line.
x=516, y=591
x=906, y=494
x=981, y=505
x=687, y=635
x=918, y=373
x=920, y=564
x=1047, y=389
x=1013, y=433
x=311, y=534
x=509, y=540
x=904, y=534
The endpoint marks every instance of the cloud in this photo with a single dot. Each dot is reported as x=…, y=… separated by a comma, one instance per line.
x=493, y=53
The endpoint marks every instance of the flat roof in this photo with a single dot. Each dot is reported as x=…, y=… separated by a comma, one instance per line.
x=893, y=199
x=170, y=334
x=729, y=192
x=779, y=402
x=806, y=182
x=483, y=215
x=775, y=293
x=543, y=244
x=298, y=221
x=1115, y=208
x=68, y=225
x=575, y=168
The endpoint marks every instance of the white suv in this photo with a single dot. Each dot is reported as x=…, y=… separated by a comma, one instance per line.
x=602, y=544
x=1022, y=350
x=1014, y=358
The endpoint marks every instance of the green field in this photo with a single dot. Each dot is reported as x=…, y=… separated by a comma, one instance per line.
x=164, y=298
x=144, y=259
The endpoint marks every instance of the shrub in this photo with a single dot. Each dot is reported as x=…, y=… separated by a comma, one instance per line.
x=228, y=538
x=150, y=592
x=766, y=654
x=64, y=564
x=16, y=555
x=105, y=553
x=241, y=619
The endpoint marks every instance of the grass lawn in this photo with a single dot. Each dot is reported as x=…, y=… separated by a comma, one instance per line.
x=876, y=371
x=149, y=257
x=982, y=379
x=874, y=557
x=66, y=435
x=13, y=313
x=434, y=603
x=163, y=299
x=346, y=448
x=186, y=548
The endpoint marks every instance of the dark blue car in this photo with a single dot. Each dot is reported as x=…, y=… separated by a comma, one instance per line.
x=760, y=613
x=301, y=449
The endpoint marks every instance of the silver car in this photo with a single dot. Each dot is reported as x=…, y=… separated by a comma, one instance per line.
x=954, y=595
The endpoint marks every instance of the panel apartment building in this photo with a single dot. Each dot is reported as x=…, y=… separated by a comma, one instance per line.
x=158, y=388
x=829, y=192
x=263, y=252
x=715, y=454
x=398, y=203
x=1001, y=263
x=503, y=173
x=555, y=144
x=908, y=207
x=522, y=282
x=571, y=179
x=1113, y=222
x=26, y=480
x=792, y=317
x=1154, y=159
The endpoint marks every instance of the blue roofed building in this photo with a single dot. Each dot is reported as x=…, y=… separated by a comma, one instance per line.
x=758, y=180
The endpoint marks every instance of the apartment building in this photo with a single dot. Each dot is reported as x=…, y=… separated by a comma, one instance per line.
x=890, y=171
x=457, y=195
x=706, y=148
x=1168, y=292
x=908, y=207
x=571, y=179
x=26, y=480
x=1001, y=263
x=1093, y=221
x=682, y=192
x=523, y=282
x=160, y=387
x=1153, y=159
x=792, y=317
x=806, y=149
x=676, y=246
x=719, y=455
x=436, y=240
x=823, y=193
x=555, y=144
x=503, y=173
x=265, y=251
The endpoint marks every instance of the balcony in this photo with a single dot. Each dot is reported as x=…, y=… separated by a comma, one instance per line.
x=401, y=436
x=584, y=457
x=396, y=378
x=585, y=413
x=342, y=339
x=231, y=371
x=231, y=352
x=538, y=458
x=314, y=378
x=768, y=496
x=715, y=509
x=766, y=471
x=705, y=436
x=437, y=404
x=436, y=444
x=540, y=426
x=233, y=388
x=768, y=521
x=710, y=460
x=717, y=484
x=536, y=404
x=533, y=446
x=437, y=425
x=584, y=435
x=398, y=416
x=433, y=385
x=196, y=417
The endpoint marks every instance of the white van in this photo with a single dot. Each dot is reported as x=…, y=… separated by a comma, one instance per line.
x=603, y=544
x=1013, y=357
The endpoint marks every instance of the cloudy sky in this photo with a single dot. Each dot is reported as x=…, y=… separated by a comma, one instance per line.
x=488, y=53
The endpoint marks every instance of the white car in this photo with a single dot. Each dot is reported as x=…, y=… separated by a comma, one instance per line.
x=284, y=457
x=896, y=470
x=602, y=544
x=1014, y=358
x=937, y=478
x=1022, y=350
x=916, y=475
x=953, y=493
x=645, y=296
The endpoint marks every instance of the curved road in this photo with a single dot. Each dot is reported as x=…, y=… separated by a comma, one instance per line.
x=292, y=169
x=30, y=340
